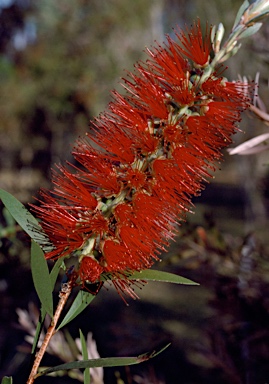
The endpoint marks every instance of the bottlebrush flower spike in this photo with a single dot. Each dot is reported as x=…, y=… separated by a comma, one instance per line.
x=144, y=159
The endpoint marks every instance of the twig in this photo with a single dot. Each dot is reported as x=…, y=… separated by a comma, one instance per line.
x=64, y=294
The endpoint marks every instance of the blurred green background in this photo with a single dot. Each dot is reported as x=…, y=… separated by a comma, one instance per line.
x=58, y=62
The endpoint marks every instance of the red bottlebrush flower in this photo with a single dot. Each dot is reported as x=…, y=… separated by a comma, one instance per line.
x=156, y=217
x=174, y=135
x=120, y=147
x=196, y=47
x=146, y=156
x=134, y=122
x=71, y=191
x=168, y=64
x=135, y=179
x=219, y=87
x=90, y=270
x=147, y=95
x=183, y=93
x=116, y=256
x=93, y=223
x=61, y=228
x=100, y=174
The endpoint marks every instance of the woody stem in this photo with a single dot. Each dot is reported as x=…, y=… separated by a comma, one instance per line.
x=64, y=294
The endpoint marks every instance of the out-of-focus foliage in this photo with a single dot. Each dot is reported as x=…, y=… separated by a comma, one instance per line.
x=236, y=344
x=51, y=88
x=12, y=17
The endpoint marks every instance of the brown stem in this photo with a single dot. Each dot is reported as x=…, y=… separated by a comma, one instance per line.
x=64, y=294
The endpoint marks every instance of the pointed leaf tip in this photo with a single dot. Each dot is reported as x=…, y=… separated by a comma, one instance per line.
x=167, y=277
x=82, y=300
x=240, y=12
x=103, y=362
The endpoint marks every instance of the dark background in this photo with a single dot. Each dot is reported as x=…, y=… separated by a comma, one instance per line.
x=58, y=63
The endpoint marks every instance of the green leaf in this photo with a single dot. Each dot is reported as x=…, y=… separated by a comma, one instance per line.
x=22, y=216
x=41, y=277
x=8, y=217
x=103, y=362
x=250, y=30
x=55, y=272
x=240, y=12
x=81, y=302
x=53, y=277
x=154, y=275
x=7, y=380
x=38, y=330
x=87, y=378
x=84, y=298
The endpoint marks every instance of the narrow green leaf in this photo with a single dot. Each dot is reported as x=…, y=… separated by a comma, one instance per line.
x=53, y=277
x=87, y=378
x=22, y=216
x=41, y=277
x=81, y=302
x=55, y=272
x=84, y=298
x=153, y=275
x=103, y=362
x=38, y=330
x=240, y=12
x=251, y=30
x=7, y=380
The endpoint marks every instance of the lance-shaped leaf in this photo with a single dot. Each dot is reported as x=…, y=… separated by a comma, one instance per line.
x=22, y=216
x=53, y=277
x=167, y=277
x=250, y=30
x=81, y=302
x=240, y=12
x=87, y=378
x=84, y=298
x=41, y=278
x=103, y=362
x=55, y=272
x=38, y=329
